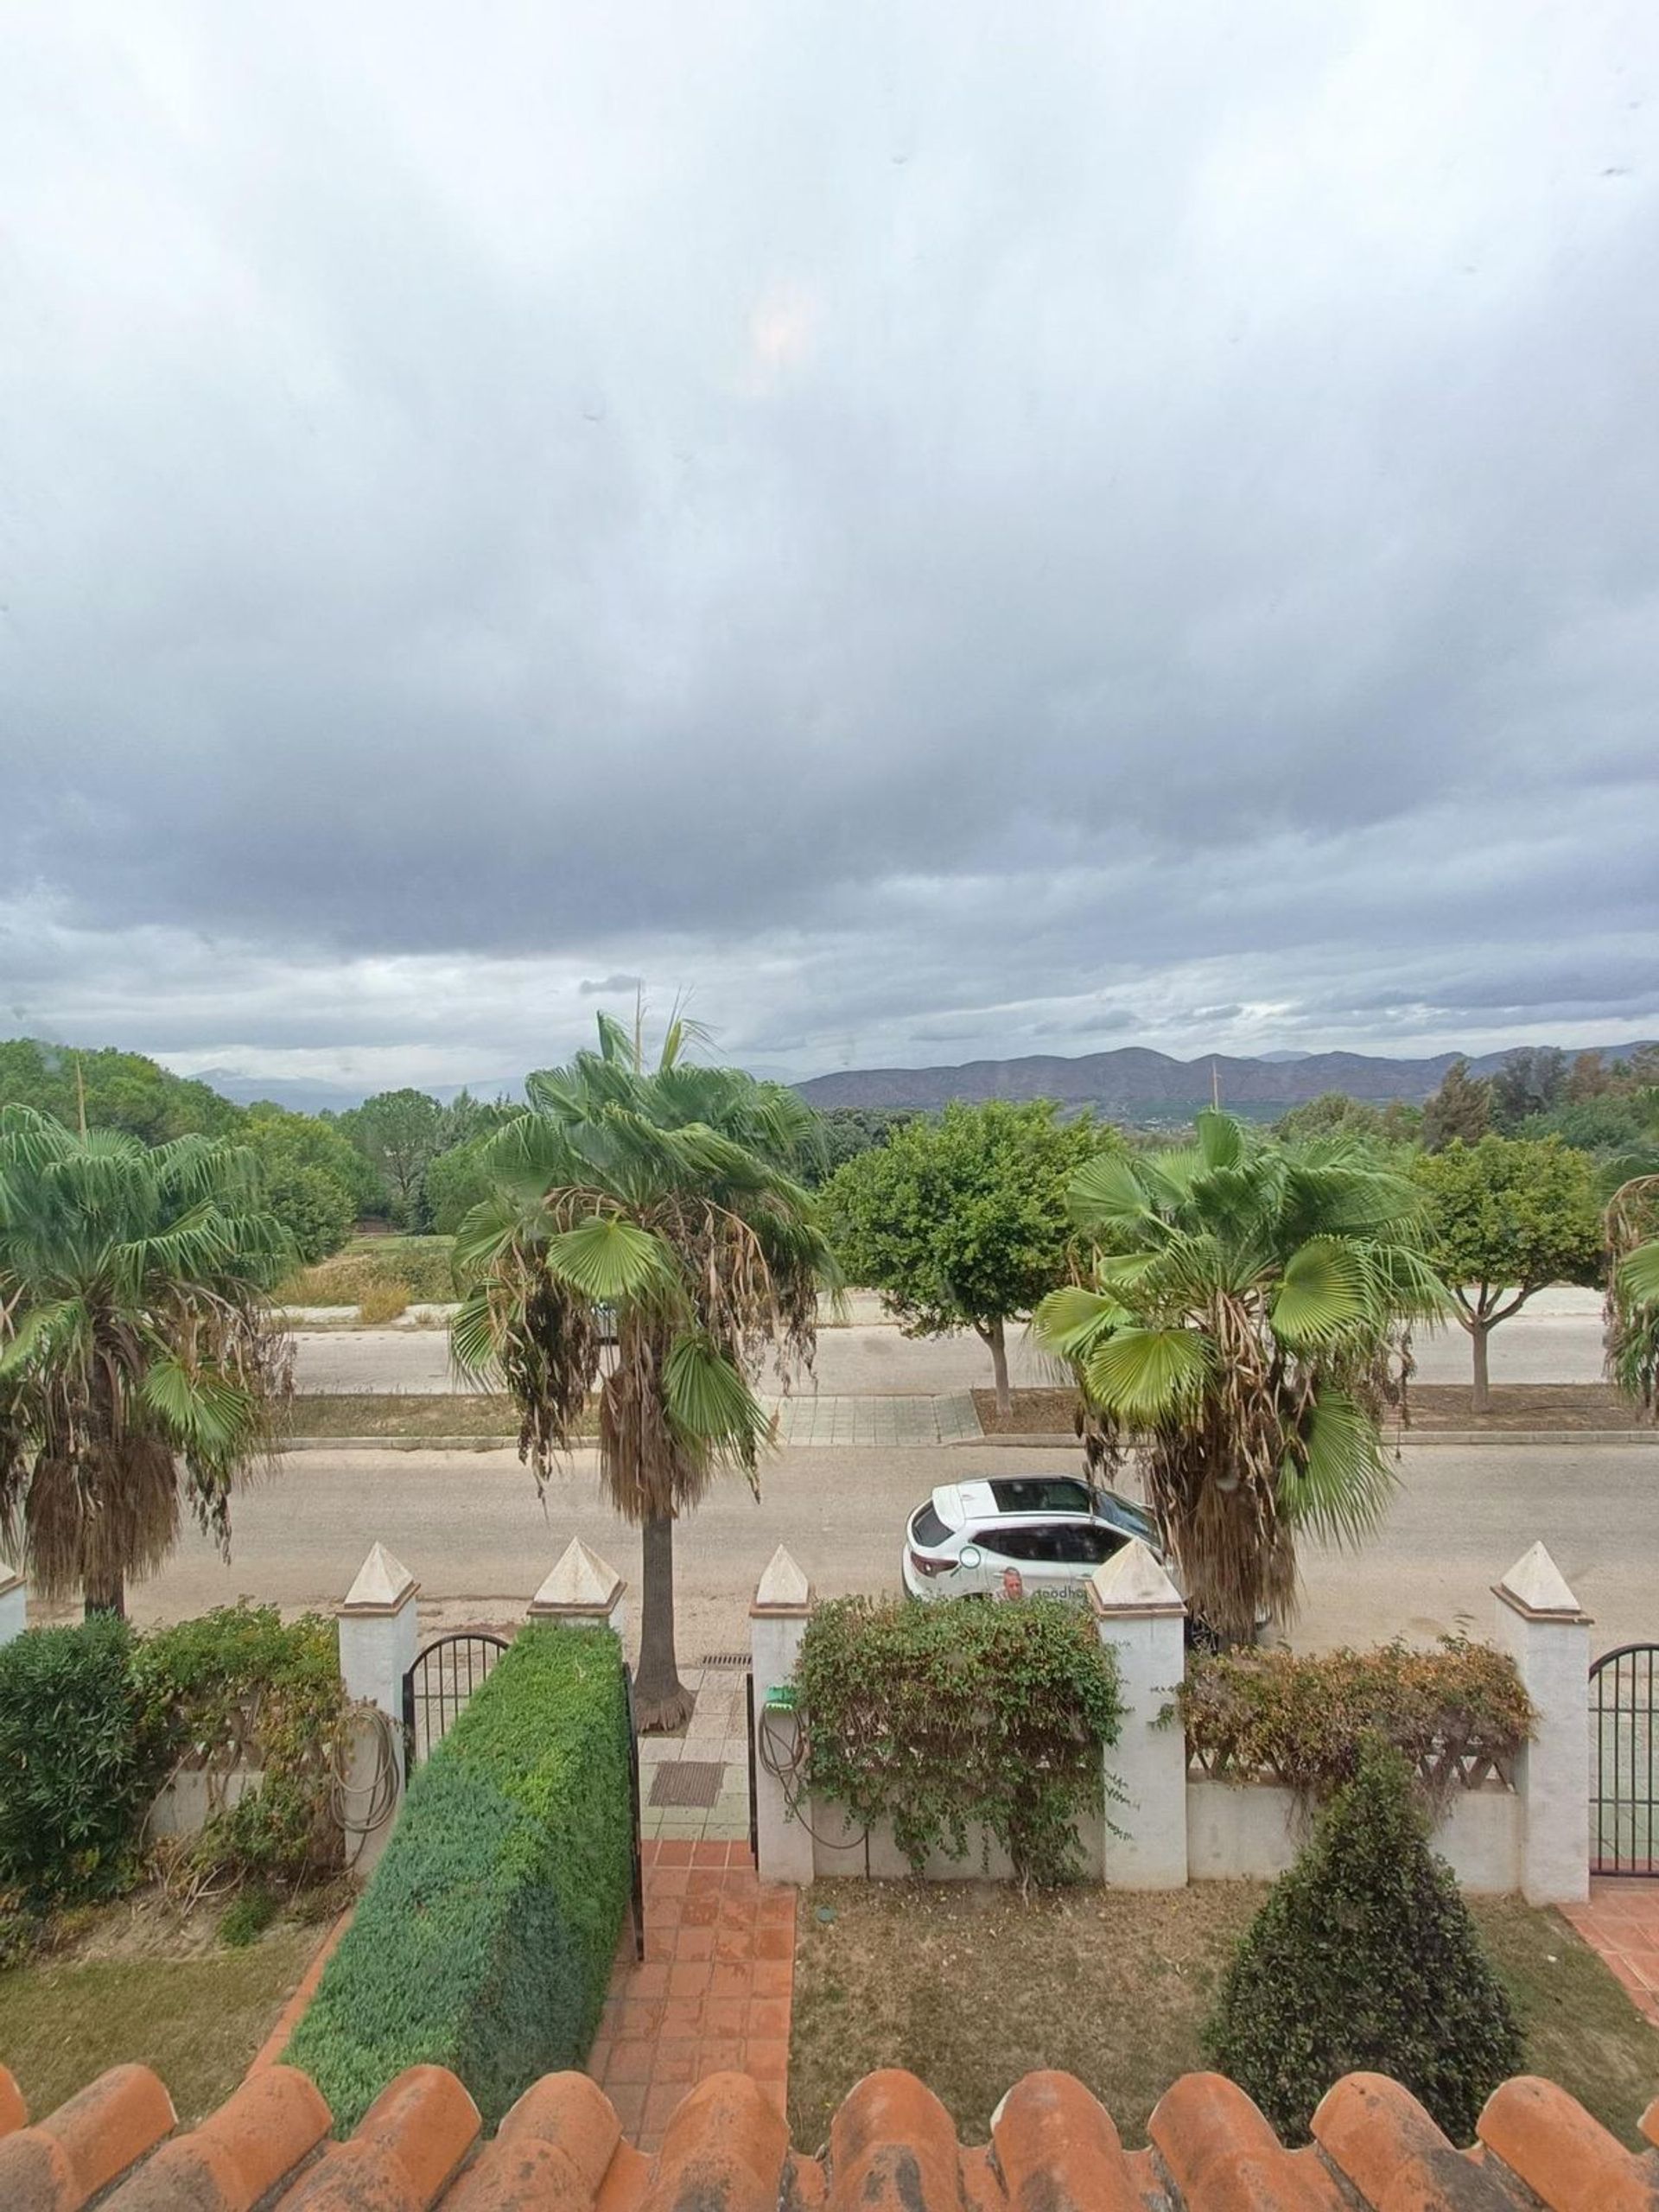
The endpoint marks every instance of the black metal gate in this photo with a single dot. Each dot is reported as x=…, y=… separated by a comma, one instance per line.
x=637, y=1896
x=754, y=1793
x=1625, y=1761
x=436, y=1687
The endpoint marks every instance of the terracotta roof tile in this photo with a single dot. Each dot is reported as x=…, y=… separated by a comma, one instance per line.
x=892, y=2148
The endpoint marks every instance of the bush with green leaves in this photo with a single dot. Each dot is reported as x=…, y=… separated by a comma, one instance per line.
x=1457, y=1713
x=75, y=1773
x=1364, y=1959
x=941, y=1717
x=484, y=1940
x=241, y=1686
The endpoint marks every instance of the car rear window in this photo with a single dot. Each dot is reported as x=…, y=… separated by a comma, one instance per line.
x=926, y=1526
x=1041, y=1494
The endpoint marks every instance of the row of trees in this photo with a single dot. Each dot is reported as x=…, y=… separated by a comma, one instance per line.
x=1237, y=1307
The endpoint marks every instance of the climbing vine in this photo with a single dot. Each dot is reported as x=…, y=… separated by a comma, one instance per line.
x=941, y=1717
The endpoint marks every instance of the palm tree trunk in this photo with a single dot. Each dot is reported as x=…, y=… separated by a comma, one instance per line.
x=106, y=1593
x=661, y=1701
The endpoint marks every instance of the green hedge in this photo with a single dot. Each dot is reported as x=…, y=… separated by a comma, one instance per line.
x=484, y=1940
x=75, y=1777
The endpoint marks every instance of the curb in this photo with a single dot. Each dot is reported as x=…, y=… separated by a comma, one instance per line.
x=275, y=2043
x=399, y=1443
x=1028, y=1441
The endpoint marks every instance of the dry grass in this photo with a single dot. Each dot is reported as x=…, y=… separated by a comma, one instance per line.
x=382, y=1302
x=968, y=1989
x=198, y=2018
x=1565, y=1406
x=410, y=1413
x=421, y=1264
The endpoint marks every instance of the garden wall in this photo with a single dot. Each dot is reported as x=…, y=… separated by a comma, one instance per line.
x=1252, y=1830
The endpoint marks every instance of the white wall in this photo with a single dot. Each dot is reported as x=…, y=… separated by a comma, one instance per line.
x=1252, y=1832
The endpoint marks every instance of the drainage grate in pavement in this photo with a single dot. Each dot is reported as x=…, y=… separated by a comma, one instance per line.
x=687, y=1782
x=725, y=1662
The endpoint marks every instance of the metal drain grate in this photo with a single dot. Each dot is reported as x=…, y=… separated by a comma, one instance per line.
x=687, y=1782
x=729, y=1662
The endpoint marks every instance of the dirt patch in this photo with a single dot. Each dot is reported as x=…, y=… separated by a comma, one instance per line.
x=1564, y=1406
x=372, y=1413
x=968, y=1989
x=1035, y=1412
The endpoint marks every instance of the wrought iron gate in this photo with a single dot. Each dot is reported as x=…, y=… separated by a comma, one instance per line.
x=1625, y=1761
x=436, y=1687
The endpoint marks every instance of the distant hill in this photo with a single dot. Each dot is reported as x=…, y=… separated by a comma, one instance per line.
x=1140, y=1084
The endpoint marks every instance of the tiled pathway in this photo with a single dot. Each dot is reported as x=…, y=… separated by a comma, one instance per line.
x=714, y=1992
x=1622, y=1922
x=877, y=1421
x=717, y=1736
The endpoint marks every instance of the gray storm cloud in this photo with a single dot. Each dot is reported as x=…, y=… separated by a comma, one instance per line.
x=947, y=536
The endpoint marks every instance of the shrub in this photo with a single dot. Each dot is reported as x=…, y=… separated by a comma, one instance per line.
x=247, y=1916
x=422, y=1265
x=485, y=1938
x=242, y=1686
x=75, y=1775
x=1456, y=1712
x=382, y=1301
x=935, y=1717
x=1364, y=1958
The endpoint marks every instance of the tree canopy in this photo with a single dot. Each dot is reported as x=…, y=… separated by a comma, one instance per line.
x=118, y=1090
x=1506, y=1216
x=961, y=1221
x=1460, y=1111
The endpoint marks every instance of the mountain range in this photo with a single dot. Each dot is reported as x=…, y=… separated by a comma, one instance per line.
x=1140, y=1084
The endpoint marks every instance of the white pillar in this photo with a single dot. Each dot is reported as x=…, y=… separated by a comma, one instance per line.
x=14, y=1603
x=379, y=1639
x=1540, y=1625
x=583, y=1590
x=1139, y=1614
x=778, y=1618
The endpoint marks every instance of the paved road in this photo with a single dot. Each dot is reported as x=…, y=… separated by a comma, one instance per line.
x=1555, y=1340
x=468, y=1525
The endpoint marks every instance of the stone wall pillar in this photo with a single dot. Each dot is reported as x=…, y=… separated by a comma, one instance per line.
x=1541, y=1625
x=14, y=1603
x=379, y=1639
x=778, y=1618
x=583, y=1590
x=1139, y=1614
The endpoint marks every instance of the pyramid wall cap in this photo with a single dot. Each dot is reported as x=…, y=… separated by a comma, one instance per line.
x=384, y=1585
x=1535, y=1588
x=580, y=1583
x=1133, y=1581
x=10, y=1579
x=783, y=1588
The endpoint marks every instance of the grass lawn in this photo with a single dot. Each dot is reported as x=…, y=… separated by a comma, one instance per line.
x=970, y=1989
x=411, y=1413
x=197, y=2020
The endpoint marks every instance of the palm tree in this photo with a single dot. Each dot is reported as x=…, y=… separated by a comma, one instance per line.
x=1247, y=1326
x=646, y=1238
x=1631, y=1310
x=140, y=1360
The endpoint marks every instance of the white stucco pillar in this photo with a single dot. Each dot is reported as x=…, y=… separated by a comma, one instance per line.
x=778, y=1618
x=1540, y=1625
x=1139, y=1614
x=379, y=1639
x=583, y=1590
x=14, y=1603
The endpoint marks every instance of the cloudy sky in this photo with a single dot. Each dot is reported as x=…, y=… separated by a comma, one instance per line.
x=941, y=529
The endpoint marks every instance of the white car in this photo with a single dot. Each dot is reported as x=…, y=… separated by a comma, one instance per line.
x=1018, y=1534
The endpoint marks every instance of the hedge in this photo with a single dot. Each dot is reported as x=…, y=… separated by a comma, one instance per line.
x=484, y=1940
x=75, y=1779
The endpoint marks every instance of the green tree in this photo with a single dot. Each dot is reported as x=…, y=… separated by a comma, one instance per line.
x=1334, y=1113
x=1245, y=1326
x=961, y=1222
x=457, y=1181
x=1365, y=1960
x=1460, y=1112
x=139, y=1356
x=398, y=1133
x=1530, y=1081
x=1507, y=1216
x=850, y=1130
x=314, y=1181
x=116, y=1090
x=647, y=1239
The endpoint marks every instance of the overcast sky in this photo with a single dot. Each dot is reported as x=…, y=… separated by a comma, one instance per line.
x=945, y=530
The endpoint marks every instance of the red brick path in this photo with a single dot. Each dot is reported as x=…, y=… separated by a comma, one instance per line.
x=713, y=1992
x=1622, y=1922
